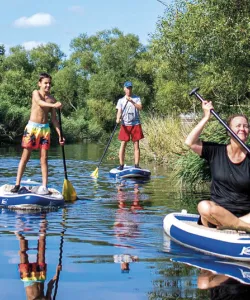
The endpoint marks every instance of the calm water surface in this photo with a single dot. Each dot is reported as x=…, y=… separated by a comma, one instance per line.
x=110, y=243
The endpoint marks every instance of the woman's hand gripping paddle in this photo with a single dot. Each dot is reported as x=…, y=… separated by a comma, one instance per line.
x=68, y=191
x=235, y=136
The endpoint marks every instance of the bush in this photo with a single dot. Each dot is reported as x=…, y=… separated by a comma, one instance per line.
x=164, y=139
x=12, y=121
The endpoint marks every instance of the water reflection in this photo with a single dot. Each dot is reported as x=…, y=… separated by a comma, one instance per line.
x=222, y=287
x=121, y=221
x=59, y=266
x=33, y=266
x=124, y=260
x=126, y=223
x=125, y=197
x=223, y=279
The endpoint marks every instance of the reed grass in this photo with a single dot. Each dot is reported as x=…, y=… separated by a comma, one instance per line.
x=164, y=139
x=164, y=144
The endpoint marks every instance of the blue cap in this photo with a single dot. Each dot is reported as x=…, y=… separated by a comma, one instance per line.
x=128, y=84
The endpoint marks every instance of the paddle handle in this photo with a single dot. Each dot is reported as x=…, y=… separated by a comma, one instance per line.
x=198, y=96
x=61, y=137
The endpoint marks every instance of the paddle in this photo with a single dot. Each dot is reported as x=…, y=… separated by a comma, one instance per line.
x=68, y=191
x=95, y=173
x=59, y=266
x=194, y=92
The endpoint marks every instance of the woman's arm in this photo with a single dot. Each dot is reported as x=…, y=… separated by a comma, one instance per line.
x=193, y=139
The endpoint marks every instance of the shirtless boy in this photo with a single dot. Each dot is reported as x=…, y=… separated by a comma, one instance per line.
x=37, y=132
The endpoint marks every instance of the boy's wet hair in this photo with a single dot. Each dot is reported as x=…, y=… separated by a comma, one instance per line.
x=44, y=75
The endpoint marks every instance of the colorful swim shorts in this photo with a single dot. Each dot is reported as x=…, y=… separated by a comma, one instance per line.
x=32, y=271
x=36, y=136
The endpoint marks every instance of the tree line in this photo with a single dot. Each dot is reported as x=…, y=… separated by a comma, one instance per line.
x=202, y=43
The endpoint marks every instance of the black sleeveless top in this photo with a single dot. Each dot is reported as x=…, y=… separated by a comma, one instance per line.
x=230, y=186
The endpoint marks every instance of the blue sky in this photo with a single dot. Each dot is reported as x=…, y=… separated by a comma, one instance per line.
x=31, y=22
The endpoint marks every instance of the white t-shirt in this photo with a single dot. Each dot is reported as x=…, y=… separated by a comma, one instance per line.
x=120, y=258
x=130, y=115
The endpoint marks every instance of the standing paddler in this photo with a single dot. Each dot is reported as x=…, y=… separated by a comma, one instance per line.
x=37, y=132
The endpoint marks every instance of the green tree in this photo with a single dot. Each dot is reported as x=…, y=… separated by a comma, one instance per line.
x=2, y=50
x=107, y=59
x=2, y=57
x=46, y=58
x=65, y=88
x=203, y=43
x=17, y=60
x=16, y=88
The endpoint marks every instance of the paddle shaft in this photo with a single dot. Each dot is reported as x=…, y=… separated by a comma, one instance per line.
x=59, y=264
x=60, y=255
x=63, y=152
x=110, y=139
x=106, y=148
x=198, y=96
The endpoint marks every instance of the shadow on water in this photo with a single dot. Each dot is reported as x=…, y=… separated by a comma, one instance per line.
x=107, y=245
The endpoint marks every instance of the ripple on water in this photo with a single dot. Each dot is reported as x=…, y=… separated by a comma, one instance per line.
x=110, y=242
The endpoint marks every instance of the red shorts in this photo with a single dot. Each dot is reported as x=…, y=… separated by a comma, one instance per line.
x=135, y=132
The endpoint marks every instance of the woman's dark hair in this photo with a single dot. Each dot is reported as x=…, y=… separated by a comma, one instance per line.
x=44, y=75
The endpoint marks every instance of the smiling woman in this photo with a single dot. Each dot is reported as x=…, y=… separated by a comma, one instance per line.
x=230, y=171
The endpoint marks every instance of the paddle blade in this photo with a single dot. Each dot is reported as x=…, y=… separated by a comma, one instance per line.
x=68, y=192
x=95, y=173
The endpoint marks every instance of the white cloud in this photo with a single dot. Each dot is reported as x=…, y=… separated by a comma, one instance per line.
x=77, y=9
x=36, y=20
x=32, y=44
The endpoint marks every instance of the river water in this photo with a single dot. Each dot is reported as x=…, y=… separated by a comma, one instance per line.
x=109, y=244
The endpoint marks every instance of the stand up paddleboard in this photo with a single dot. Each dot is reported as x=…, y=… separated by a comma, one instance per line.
x=130, y=172
x=28, y=198
x=183, y=229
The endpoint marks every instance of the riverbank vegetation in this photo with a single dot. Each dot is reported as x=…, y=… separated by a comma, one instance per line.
x=196, y=43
